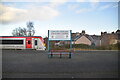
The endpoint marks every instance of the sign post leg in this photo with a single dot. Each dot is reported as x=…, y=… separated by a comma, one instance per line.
x=60, y=55
x=48, y=46
x=70, y=54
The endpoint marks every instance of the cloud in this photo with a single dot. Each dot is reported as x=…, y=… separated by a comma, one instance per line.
x=94, y=0
x=12, y=14
x=42, y=13
x=73, y=6
x=56, y=3
x=24, y=0
x=83, y=10
x=97, y=0
x=8, y=14
x=108, y=6
x=80, y=0
x=57, y=0
x=115, y=6
x=93, y=4
x=105, y=7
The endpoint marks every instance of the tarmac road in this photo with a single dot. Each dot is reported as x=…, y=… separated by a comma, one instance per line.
x=36, y=64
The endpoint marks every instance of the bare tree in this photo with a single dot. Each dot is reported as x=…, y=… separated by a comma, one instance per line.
x=30, y=29
x=19, y=32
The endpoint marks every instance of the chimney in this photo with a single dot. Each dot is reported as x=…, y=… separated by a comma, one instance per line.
x=102, y=33
x=112, y=32
x=105, y=32
x=83, y=32
x=77, y=33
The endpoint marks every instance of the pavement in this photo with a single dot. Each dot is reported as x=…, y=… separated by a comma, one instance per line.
x=36, y=64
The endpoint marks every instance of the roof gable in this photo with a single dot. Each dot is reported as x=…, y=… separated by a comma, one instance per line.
x=83, y=40
x=77, y=37
x=83, y=37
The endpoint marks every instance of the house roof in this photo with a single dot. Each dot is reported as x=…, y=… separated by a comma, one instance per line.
x=96, y=37
x=92, y=38
x=74, y=38
x=77, y=37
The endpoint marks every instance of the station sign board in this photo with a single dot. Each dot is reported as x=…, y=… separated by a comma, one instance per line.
x=59, y=34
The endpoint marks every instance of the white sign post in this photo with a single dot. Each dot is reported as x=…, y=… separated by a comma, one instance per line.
x=59, y=35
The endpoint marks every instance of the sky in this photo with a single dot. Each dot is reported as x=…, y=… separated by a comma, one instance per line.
x=93, y=16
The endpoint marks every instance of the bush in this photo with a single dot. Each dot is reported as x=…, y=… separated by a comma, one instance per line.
x=114, y=46
x=83, y=46
x=109, y=47
x=100, y=48
x=67, y=46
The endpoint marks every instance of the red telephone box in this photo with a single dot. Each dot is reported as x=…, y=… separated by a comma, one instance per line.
x=28, y=42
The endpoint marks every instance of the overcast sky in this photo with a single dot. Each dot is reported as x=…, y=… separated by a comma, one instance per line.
x=93, y=16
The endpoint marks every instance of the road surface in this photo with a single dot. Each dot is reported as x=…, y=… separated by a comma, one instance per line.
x=36, y=64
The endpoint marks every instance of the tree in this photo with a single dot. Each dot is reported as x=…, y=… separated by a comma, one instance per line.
x=30, y=29
x=19, y=32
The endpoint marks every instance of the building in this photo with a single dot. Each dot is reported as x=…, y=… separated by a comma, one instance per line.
x=96, y=40
x=83, y=38
x=104, y=39
x=110, y=38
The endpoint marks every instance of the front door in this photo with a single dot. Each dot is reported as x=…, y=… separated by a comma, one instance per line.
x=28, y=43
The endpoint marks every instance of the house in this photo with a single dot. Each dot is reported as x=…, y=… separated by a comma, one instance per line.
x=118, y=36
x=104, y=39
x=83, y=38
x=110, y=38
x=96, y=40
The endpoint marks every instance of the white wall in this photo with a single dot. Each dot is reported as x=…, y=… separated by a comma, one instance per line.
x=83, y=40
